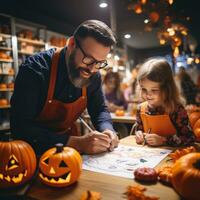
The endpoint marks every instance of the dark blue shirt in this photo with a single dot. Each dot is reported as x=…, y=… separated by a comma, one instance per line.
x=31, y=87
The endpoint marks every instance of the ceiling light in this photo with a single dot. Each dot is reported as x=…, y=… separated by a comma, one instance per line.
x=127, y=36
x=103, y=4
x=146, y=21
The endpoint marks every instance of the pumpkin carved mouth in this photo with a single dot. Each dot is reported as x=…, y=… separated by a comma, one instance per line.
x=62, y=179
x=15, y=179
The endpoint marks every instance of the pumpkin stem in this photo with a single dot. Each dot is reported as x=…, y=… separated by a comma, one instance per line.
x=197, y=164
x=59, y=147
x=89, y=195
x=7, y=137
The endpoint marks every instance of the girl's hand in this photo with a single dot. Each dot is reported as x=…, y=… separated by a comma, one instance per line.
x=155, y=140
x=139, y=137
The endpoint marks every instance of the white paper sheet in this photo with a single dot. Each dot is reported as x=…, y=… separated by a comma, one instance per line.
x=124, y=160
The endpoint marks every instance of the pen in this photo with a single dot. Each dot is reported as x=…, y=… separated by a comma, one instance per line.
x=148, y=132
x=86, y=125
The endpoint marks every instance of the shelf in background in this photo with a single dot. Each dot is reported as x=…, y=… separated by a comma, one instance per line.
x=4, y=128
x=5, y=107
x=5, y=35
x=5, y=48
x=34, y=42
x=7, y=90
x=6, y=60
x=7, y=74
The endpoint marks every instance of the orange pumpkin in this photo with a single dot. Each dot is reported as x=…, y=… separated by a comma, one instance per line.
x=11, y=71
x=60, y=166
x=119, y=113
x=193, y=117
x=10, y=85
x=17, y=163
x=4, y=102
x=186, y=176
x=3, y=86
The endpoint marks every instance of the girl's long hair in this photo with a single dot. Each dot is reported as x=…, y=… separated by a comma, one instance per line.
x=159, y=70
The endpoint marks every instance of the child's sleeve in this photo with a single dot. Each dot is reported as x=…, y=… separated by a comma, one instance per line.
x=184, y=135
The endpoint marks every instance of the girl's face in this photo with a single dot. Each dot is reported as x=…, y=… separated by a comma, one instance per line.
x=150, y=92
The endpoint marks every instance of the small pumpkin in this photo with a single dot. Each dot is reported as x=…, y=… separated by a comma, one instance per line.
x=4, y=102
x=60, y=166
x=3, y=86
x=17, y=162
x=145, y=174
x=186, y=176
x=10, y=85
x=11, y=71
x=119, y=113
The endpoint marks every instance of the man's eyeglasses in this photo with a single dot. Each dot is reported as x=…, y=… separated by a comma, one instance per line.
x=91, y=61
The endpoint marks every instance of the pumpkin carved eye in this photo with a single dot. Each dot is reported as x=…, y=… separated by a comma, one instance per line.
x=63, y=164
x=12, y=163
x=46, y=161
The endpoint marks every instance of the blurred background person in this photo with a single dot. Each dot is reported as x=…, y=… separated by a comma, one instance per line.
x=115, y=99
x=187, y=86
x=114, y=96
x=130, y=91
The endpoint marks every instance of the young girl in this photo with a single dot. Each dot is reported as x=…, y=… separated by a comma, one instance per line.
x=161, y=118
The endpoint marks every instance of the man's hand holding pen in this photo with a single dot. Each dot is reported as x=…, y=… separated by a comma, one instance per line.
x=114, y=139
x=94, y=142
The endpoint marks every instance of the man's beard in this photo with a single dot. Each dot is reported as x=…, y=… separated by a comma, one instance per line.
x=74, y=72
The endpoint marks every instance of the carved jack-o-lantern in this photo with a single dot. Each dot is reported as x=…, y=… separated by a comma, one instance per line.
x=60, y=166
x=17, y=163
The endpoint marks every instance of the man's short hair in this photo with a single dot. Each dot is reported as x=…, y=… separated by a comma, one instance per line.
x=97, y=30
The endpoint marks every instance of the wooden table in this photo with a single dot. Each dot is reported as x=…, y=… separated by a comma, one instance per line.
x=110, y=187
x=120, y=119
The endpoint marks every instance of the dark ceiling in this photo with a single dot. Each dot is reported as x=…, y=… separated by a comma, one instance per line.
x=64, y=15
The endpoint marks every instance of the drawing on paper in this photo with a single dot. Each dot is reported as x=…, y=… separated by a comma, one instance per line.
x=124, y=160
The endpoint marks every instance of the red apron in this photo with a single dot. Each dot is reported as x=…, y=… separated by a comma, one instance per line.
x=159, y=124
x=56, y=115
